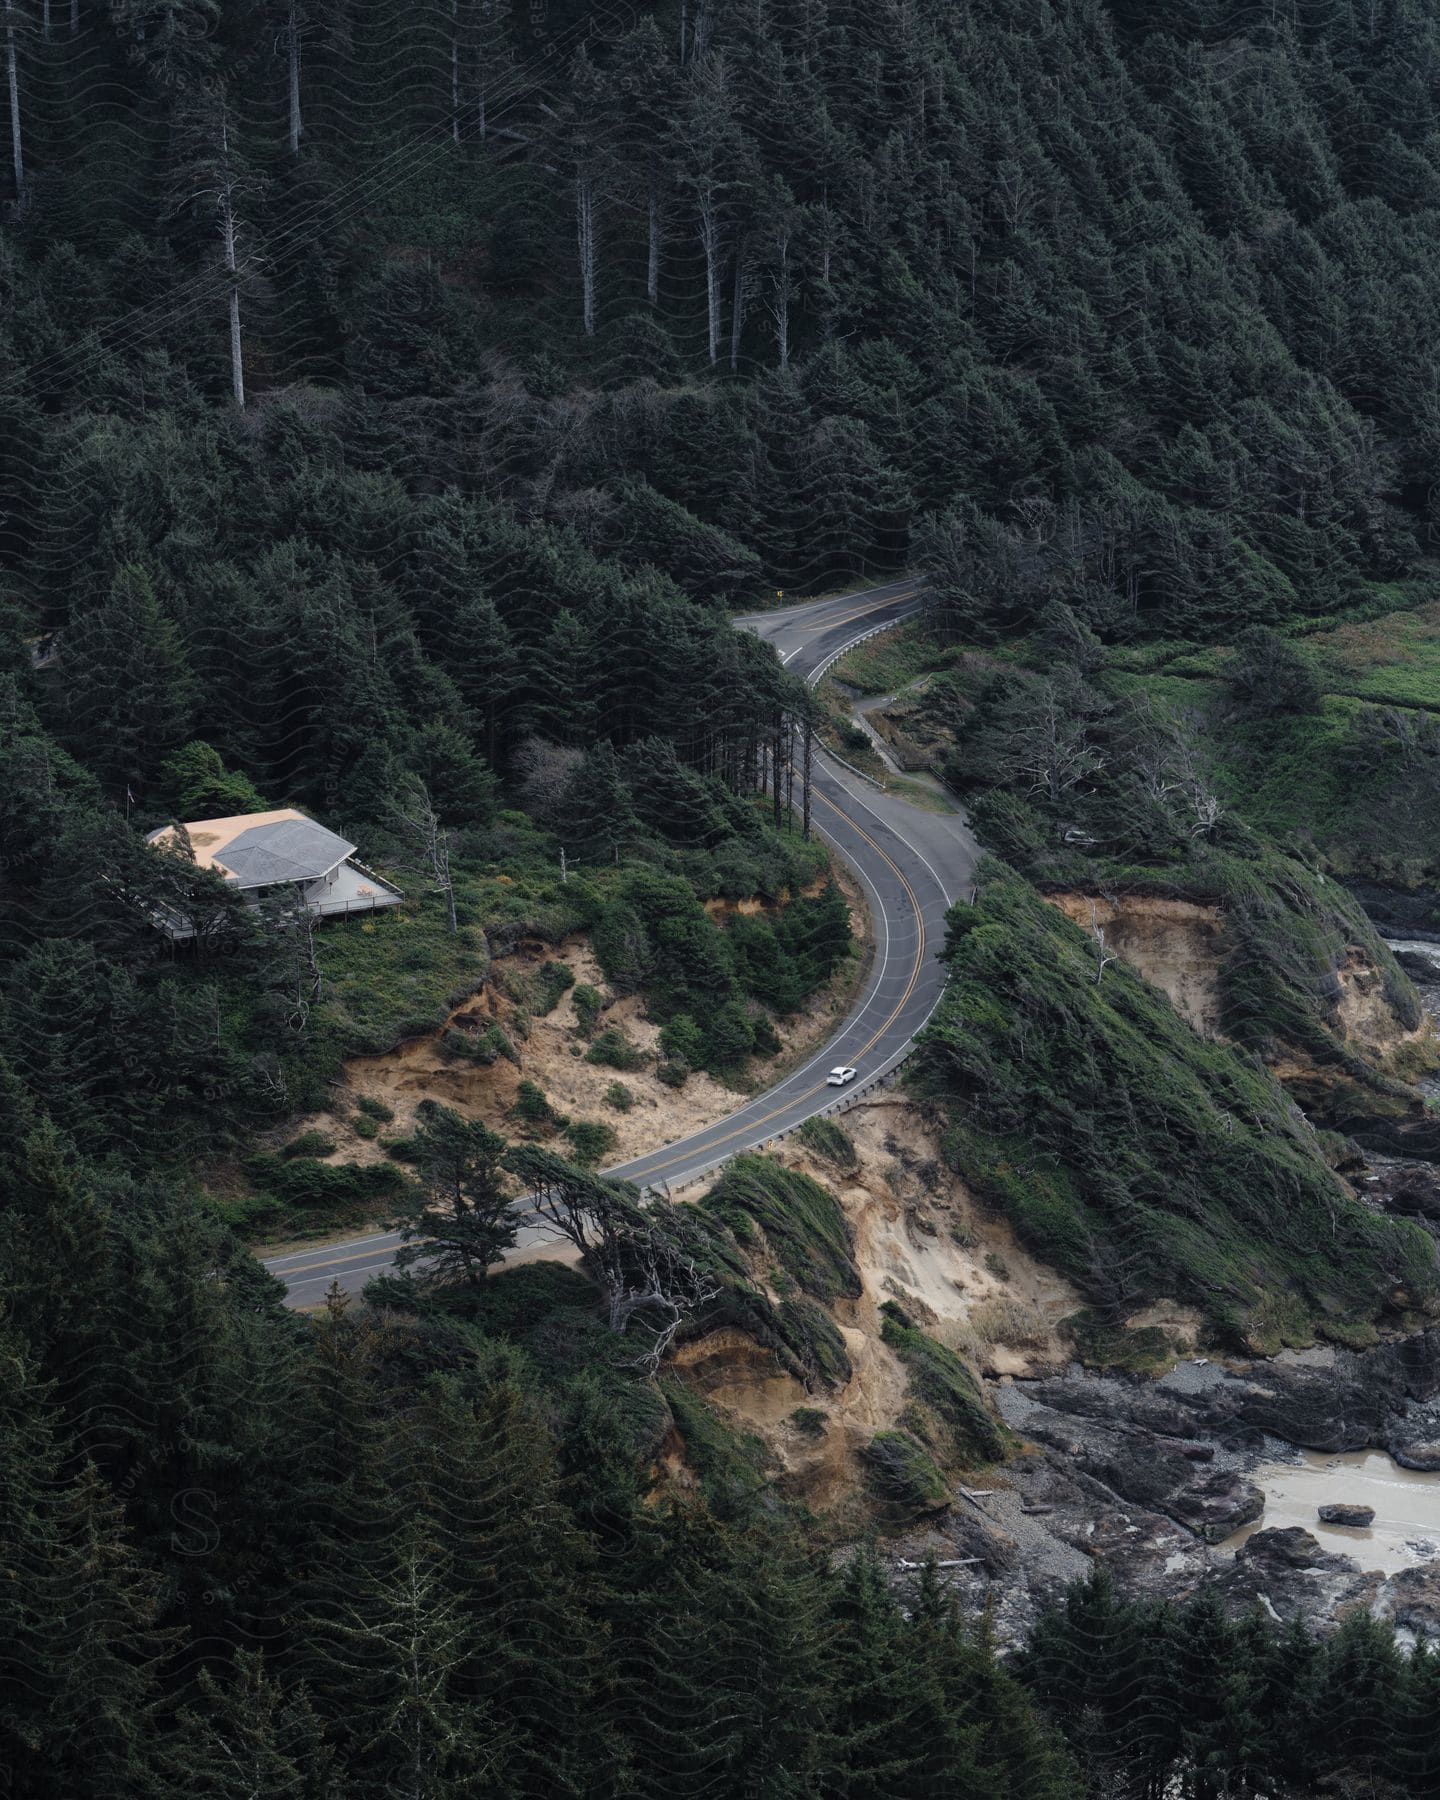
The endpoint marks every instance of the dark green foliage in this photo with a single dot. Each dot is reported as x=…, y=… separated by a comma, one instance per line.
x=903, y=1475
x=533, y=1112
x=613, y=1050
x=195, y=784
x=456, y=1218
x=549, y=985
x=587, y=1007
x=1267, y=676
x=322, y=1192
x=681, y=1039
x=591, y=1139
x=803, y=1223
x=1138, y=1157
x=619, y=1096
x=957, y=1423
x=829, y=1140
x=1156, y=1698
x=374, y=1109
x=309, y=1143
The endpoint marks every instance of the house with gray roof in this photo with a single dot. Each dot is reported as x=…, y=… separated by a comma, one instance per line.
x=273, y=852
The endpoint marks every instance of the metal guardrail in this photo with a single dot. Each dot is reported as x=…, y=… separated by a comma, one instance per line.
x=850, y=1097
x=819, y=675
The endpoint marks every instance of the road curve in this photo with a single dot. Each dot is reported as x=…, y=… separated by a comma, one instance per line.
x=911, y=864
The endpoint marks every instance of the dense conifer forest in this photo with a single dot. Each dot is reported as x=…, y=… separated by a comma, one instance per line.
x=395, y=404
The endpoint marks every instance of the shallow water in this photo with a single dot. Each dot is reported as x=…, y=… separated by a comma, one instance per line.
x=1406, y=1531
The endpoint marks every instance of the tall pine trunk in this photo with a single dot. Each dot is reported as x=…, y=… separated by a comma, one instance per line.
x=585, y=232
x=12, y=77
x=227, y=225
x=737, y=308
x=652, y=259
x=292, y=31
x=780, y=303
x=710, y=241
x=455, y=70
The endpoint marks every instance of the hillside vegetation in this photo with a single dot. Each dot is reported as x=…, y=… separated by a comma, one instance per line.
x=394, y=401
x=1140, y=1159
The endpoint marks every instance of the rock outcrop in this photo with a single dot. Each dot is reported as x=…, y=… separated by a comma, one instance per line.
x=1341, y=1513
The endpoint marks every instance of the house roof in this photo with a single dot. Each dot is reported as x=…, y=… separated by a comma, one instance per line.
x=256, y=849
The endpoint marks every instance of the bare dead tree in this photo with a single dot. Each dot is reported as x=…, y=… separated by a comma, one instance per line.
x=12, y=81
x=412, y=811
x=1103, y=955
x=1051, y=745
x=225, y=196
x=293, y=21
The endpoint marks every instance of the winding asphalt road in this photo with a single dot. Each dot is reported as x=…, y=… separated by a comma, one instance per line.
x=912, y=863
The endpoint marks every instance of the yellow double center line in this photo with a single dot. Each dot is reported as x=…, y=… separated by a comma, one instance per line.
x=334, y=1262
x=864, y=612
x=880, y=1030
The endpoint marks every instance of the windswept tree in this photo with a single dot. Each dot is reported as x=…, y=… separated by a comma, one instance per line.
x=644, y=1256
x=459, y=1218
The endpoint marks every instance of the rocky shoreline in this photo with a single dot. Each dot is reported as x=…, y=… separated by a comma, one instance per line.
x=1151, y=1477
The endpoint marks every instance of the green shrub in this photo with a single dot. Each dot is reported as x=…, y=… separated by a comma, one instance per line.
x=587, y=1007
x=591, y=1139
x=902, y=1473
x=533, y=1112
x=402, y=1149
x=619, y=1096
x=673, y=1072
x=729, y=1037
x=803, y=1223
x=548, y=987
x=375, y=1109
x=613, y=1050
x=681, y=1040
x=829, y=1140
x=307, y=1185
x=309, y=1143
x=953, y=1417
x=364, y=1126
x=485, y=1047
x=810, y=1420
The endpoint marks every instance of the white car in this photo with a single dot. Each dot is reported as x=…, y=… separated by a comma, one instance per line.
x=838, y=1077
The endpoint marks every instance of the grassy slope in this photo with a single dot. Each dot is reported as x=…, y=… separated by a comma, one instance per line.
x=1140, y=1159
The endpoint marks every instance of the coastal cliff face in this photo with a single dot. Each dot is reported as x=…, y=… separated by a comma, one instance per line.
x=1181, y=946
x=1176, y=945
x=1156, y=1471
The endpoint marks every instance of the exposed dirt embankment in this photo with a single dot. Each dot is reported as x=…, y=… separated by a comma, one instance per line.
x=1179, y=947
x=551, y=1051
x=920, y=1240
x=1176, y=945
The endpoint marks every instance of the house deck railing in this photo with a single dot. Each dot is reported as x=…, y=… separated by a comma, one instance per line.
x=179, y=927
